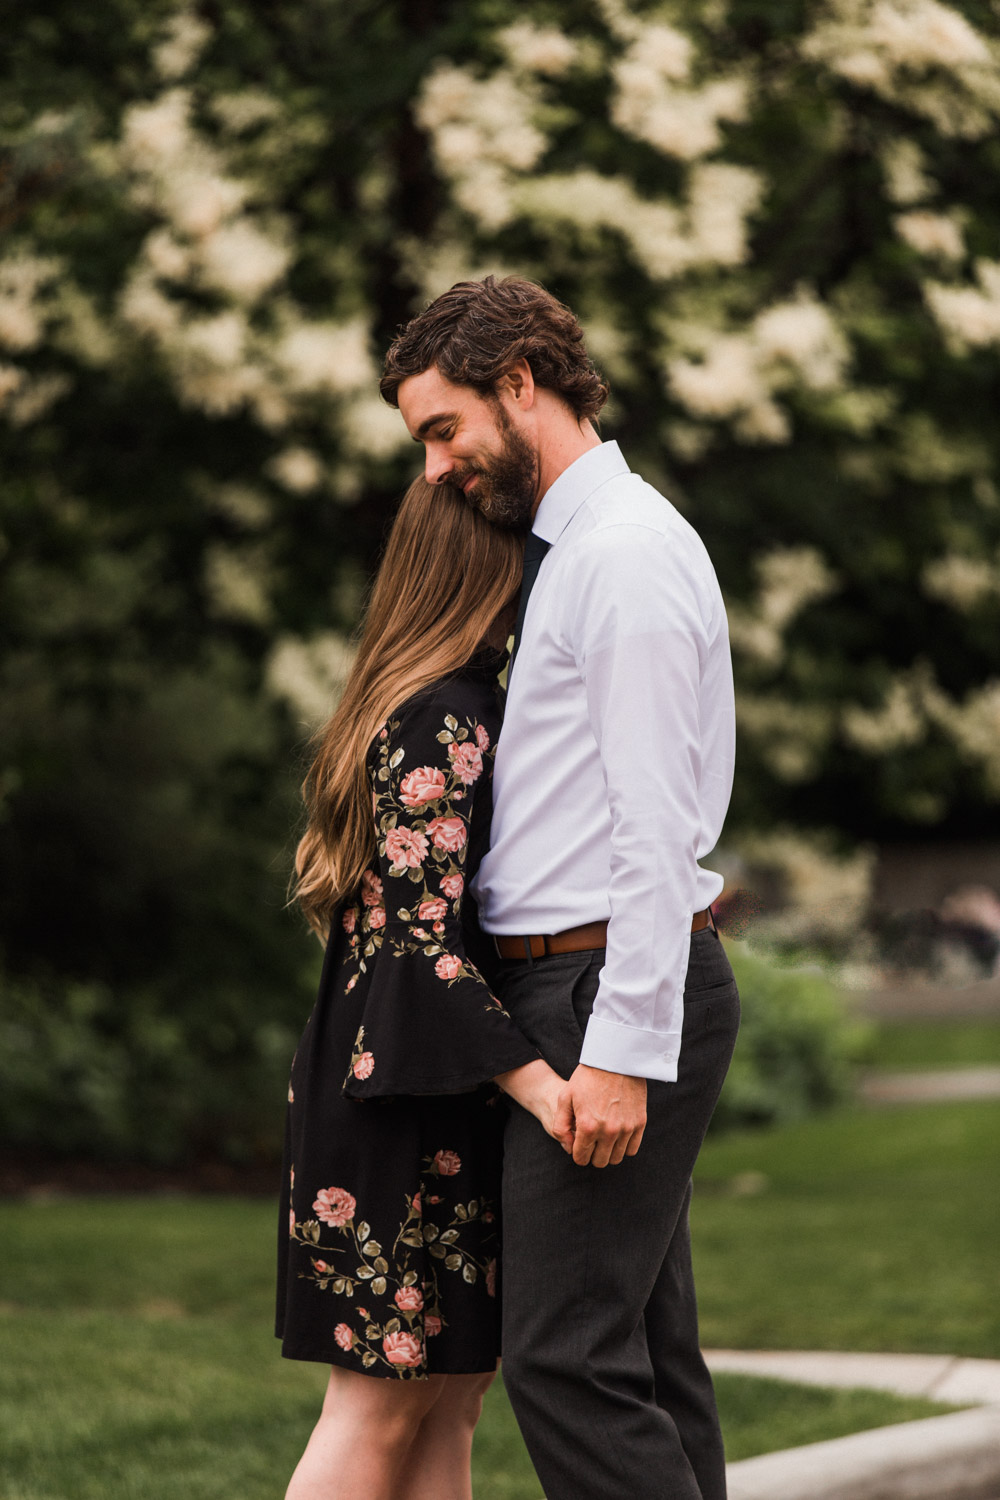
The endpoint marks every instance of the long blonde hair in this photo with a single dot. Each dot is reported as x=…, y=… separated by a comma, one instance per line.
x=446, y=577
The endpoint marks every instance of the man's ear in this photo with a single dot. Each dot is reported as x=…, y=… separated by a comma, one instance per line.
x=518, y=385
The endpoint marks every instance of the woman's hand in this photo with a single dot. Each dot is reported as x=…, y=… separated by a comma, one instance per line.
x=541, y=1091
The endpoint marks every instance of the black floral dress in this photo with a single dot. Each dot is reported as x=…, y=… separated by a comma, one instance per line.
x=388, y=1236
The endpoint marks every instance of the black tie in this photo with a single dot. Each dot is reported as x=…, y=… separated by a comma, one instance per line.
x=535, y=549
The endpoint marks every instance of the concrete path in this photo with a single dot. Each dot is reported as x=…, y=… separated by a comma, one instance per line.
x=936, y=1377
x=942, y=1458
x=931, y=1086
x=954, y=1457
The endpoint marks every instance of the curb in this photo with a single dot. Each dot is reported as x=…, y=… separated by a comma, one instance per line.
x=956, y=1457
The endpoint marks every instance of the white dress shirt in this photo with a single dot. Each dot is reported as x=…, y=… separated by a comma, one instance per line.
x=615, y=764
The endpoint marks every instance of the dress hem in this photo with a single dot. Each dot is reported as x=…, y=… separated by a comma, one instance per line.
x=338, y=1358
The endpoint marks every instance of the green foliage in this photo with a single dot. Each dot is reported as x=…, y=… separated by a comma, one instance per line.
x=88, y=1071
x=797, y=1047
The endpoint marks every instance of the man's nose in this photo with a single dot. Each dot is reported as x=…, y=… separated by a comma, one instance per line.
x=437, y=465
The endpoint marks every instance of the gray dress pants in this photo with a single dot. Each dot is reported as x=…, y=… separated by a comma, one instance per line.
x=600, y=1327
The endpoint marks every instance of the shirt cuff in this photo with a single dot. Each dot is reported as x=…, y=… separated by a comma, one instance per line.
x=627, y=1049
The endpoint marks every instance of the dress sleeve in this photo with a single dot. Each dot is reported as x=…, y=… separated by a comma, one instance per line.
x=430, y=1024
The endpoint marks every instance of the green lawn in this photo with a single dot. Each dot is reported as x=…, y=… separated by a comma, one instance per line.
x=110, y=1406
x=934, y=1044
x=136, y=1361
x=874, y=1229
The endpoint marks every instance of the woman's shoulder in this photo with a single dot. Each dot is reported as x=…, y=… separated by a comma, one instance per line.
x=470, y=693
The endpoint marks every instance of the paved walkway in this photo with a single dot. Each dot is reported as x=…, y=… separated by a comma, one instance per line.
x=936, y=1377
x=953, y=1457
x=931, y=1086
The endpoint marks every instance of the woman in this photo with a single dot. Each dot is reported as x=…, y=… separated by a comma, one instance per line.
x=389, y=1236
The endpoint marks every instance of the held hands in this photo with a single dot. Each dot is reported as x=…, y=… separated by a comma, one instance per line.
x=540, y=1090
x=598, y=1118
x=603, y=1113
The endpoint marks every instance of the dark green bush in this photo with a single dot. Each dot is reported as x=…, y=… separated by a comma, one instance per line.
x=87, y=1073
x=798, y=1044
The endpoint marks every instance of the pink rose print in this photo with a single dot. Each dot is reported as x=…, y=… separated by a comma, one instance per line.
x=291, y=1222
x=453, y=886
x=488, y=1216
x=403, y=1349
x=365, y=1066
x=448, y=966
x=291, y=1094
x=409, y=1299
x=466, y=762
x=351, y=983
x=424, y=785
x=371, y=889
x=349, y=919
x=491, y=1279
x=416, y=1203
x=432, y=1324
x=448, y=1164
x=383, y=733
x=482, y=738
x=321, y=1266
x=433, y=1198
x=343, y=1336
x=363, y=1312
x=406, y=848
x=418, y=932
x=439, y=928
x=447, y=833
x=433, y=910
x=376, y=917
x=334, y=1206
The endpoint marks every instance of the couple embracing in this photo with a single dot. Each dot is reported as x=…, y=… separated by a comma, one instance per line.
x=525, y=1014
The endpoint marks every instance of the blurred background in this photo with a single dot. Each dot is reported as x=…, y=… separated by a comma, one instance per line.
x=780, y=224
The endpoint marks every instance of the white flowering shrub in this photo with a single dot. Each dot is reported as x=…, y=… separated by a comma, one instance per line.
x=782, y=232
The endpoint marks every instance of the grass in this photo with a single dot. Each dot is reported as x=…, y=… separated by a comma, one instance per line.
x=870, y=1230
x=934, y=1044
x=99, y=1406
x=136, y=1361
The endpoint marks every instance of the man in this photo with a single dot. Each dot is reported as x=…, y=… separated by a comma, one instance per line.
x=612, y=778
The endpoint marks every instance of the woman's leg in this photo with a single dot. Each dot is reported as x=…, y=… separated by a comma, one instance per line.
x=437, y=1466
x=364, y=1434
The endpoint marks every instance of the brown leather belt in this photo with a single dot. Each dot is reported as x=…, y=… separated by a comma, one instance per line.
x=573, y=940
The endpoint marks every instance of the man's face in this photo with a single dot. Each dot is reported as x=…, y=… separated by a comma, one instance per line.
x=471, y=442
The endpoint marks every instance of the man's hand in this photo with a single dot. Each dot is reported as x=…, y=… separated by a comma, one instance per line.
x=607, y=1112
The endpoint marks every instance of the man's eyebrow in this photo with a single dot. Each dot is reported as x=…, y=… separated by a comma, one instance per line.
x=425, y=426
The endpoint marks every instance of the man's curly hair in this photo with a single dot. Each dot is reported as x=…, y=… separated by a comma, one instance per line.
x=477, y=331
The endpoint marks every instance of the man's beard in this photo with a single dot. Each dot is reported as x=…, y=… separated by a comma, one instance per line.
x=507, y=485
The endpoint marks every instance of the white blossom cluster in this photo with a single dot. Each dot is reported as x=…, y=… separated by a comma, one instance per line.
x=736, y=375
x=309, y=675
x=790, y=737
x=973, y=726
x=655, y=101
x=918, y=53
x=962, y=581
x=27, y=307
x=827, y=892
x=969, y=316
x=899, y=721
x=789, y=579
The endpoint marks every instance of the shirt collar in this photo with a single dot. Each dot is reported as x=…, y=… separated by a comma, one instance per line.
x=574, y=486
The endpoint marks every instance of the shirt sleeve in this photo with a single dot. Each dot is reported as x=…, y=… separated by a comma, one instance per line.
x=430, y=1024
x=642, y=631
